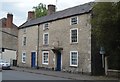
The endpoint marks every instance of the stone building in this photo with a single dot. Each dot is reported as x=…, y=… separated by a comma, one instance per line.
x=60, y=41
x=8, y=38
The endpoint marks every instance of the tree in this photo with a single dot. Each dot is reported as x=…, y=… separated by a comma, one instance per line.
x=106, y=30
x=40, y=10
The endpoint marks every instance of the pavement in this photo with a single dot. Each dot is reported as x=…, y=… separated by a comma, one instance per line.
x=64, y=74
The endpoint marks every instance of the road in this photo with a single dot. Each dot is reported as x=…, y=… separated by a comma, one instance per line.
x=18, y=75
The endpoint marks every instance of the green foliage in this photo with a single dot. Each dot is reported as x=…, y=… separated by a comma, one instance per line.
x=40, y=10
x=106, y=28
x=105, y=25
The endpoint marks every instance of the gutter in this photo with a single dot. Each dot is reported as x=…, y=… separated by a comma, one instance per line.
x=38, y=46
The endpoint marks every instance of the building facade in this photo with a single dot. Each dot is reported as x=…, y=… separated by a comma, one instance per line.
x=60, y=41
x=8, y=39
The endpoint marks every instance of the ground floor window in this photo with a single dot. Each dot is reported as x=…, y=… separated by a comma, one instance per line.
x=23, y=57
x=45, y=57
x=73, y=58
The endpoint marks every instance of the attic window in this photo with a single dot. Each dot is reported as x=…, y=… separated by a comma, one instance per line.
x=45, y=26
x=74, y=20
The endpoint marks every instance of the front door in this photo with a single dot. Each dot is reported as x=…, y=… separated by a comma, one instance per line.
x=33, y=59
x=58, y=68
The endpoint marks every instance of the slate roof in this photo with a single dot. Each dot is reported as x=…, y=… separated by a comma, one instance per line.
x=77, y=10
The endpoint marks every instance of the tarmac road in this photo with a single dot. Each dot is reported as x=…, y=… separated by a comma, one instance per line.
x=19, y=75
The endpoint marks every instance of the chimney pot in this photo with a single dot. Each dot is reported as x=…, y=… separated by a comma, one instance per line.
x=31, y=15
x=9, y=22
x=51, y=9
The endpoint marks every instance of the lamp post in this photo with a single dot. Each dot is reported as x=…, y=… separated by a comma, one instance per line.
x=102, y=52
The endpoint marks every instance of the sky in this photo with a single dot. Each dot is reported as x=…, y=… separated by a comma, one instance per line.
x=20, y=8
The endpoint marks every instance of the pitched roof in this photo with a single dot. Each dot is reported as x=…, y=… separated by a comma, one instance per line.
x=77, y=10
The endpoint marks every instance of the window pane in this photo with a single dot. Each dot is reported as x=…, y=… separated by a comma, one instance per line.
x=73, y=20
x=74, y=58
x=45, y=26
x=45, y=57
x=74, y=35
x=24, y=40
x=24, y=57
x=45, y=38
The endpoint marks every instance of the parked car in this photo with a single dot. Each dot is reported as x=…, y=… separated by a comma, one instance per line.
x=4, y=64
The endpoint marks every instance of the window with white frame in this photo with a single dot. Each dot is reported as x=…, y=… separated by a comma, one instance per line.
x=73, y=58
x=74, y=35
x=74, y=20
x=45, y=38
x=23, y=57
x=45, y=26
x=45, y=58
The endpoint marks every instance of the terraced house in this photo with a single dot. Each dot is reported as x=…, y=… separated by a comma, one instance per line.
x=60, y=41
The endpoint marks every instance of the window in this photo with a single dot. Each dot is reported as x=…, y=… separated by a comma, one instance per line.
x=24, y=41
x=45, y=39
x=74, y=35
x=73, y=58
x=45, y=26
x=24, y=57
x=45, y=57
x=24, y=30
x=74, y=20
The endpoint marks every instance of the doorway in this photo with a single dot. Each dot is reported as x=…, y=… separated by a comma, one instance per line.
x=33, y=59
x=58, y=61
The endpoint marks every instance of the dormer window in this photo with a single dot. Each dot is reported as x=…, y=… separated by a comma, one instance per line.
x=74, y=20
x=45, y=26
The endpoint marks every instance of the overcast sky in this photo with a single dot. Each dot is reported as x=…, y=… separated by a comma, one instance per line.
x=19, y=8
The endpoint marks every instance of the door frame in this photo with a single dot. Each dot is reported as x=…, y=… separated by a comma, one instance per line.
x=57, y=61
x=35, y=58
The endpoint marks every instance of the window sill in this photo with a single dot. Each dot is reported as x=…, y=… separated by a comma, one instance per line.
x=74, y=43
x=74, y=24
x=45, y=44
x=75, y=66
x=23, y=62
x=45, y=63
x=45, y=29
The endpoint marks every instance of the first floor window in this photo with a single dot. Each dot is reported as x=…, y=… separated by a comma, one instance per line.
x=73, y=58
x=45, y=39
x=74, y=35
x=24, y=41
x=24, y=57
x=45, y=57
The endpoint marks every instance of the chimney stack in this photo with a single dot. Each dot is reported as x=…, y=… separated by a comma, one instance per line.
x=31, y=15
x=9, y=22
x=51, y=9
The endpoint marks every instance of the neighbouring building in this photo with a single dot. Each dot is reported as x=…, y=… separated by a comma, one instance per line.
x=8, y=39
x=60, y=41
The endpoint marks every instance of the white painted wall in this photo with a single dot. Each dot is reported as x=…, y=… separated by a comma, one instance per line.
x=9, y=55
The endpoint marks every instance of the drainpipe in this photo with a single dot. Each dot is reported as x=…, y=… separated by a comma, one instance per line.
x=38, y=48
